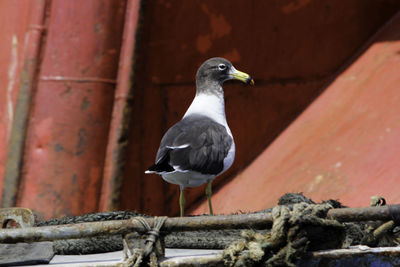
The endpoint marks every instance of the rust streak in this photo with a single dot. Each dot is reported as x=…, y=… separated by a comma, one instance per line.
x=77, y=79
x=31, y=57
x=11, y=82
x=37, y=27
x=122, y=110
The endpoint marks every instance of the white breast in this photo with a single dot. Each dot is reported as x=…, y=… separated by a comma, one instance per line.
x=213, y=106
x=210, y=105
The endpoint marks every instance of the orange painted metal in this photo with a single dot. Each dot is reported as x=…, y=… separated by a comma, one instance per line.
x=70, y=115
x=114, y=165
x=345, y=146
x=14, y=21
x=25, y=77
x=292, y=50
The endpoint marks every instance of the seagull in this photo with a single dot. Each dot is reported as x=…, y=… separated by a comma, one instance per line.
x=200, y=147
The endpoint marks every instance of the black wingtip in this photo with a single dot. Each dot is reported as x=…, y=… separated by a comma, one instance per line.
x=158, y=168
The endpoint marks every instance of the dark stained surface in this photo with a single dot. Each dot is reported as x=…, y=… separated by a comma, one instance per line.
x=290, y=48
x=345, y=146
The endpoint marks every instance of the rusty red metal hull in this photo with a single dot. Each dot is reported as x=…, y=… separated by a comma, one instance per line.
x=17, y=46
x=71, y=108
x=117, y=144
x=291, y=50
x=74, y=158
x=345, y=146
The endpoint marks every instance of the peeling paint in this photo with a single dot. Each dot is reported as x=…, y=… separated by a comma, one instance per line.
x=43, y=133
x=97, y=28
x=219, y=28
x=338, y=164
x=294, y=6
x=203, y=43
x=233, y=55
x=178, y=78
x=82, y=140
x=67, y=90
x=74, y=178
x=317, y=180
x=58, y=147
x=155, y=79
x=12, y=71
x=85, y=104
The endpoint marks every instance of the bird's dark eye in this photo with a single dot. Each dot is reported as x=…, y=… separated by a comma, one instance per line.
x=221, y=66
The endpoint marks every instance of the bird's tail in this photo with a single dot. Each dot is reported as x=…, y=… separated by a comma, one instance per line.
x=159, y=168
x=152, y=169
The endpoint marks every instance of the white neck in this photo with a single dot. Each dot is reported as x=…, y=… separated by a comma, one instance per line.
x=210, y=105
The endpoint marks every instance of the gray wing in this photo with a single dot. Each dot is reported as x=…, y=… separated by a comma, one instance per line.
x=196, y=143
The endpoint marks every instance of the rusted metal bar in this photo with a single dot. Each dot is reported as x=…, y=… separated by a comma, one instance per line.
x=28, y=82
x=117, y=139
x=70, y=231
x=241, y=221
x=355, y=251
x=22, y=216
x=361, y=214
x=194, y=260
x=329, y=256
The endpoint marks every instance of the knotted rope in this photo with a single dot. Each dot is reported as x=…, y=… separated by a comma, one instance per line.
x=141, y=251
x=293, y=232
x=379, y=233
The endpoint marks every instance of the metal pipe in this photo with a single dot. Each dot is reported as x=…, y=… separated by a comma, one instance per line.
x=70, y=231
x=77, y=79
x=29, y=73
x=381, y=213
x=122, y=111
x=241, y=221
x=202, y=260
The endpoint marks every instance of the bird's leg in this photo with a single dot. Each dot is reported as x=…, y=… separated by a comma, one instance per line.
x=181, y=200
x=208, y=194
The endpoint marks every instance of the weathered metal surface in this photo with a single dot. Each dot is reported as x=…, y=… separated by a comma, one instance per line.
x=63, y=161
x=70, y=115
x=22, y=216
x=356, y=251
x=361, y=214
x=241, y=221
x=354, y=256
x=26, y=254
x=15, y=17
x=213, y=260
x=27, y=84
x=344, y=146
x=292, y=51
x=89, y=229
x=115, y=160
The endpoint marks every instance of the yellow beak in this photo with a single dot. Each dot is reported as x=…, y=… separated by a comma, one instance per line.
x=241, y=76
